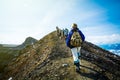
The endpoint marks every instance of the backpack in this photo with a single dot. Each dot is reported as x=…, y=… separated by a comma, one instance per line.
x=76, y=39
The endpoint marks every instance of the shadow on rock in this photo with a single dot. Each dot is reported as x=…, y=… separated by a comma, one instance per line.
x=93, y=74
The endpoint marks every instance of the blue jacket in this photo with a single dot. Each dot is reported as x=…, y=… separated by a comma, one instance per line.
x=70, y=35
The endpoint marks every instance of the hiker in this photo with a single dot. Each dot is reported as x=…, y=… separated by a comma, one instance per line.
x=60, y=32
x=66, y=31
x=74, y=41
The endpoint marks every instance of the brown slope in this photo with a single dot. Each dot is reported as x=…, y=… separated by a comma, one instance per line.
x=50, y=59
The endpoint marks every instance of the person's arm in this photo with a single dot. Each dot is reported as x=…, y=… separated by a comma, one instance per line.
x=68, y=39
x=82, y=35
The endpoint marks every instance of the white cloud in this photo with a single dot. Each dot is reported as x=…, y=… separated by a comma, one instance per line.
x=30, y=18
x=36, y=18
x=106, y=39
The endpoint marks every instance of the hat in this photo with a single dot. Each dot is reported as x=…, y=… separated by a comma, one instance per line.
x=74, y=25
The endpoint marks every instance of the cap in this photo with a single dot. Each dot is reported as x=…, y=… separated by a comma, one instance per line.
x=74, y=25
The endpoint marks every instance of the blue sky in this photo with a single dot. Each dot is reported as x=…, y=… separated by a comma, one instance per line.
x=99, y=20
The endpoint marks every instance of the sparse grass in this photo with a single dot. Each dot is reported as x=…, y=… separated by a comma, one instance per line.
x=6, y=55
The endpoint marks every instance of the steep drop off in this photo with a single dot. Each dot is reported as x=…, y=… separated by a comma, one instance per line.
x=50, y=59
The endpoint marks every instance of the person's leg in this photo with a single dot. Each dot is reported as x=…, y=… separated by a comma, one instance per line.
x=75, y=55
x=79, y=54
x=75, y=58
x=78, y=51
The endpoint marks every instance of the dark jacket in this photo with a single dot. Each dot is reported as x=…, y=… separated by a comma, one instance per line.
x=70, y=35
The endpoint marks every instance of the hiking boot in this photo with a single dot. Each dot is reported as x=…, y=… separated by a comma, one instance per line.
x=78, y=69
x=79, y=57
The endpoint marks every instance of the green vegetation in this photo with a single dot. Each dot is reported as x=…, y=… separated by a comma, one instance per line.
x=6, y=55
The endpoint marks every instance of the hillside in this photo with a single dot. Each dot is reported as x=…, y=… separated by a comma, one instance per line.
x=9, y=52
x=28, y=41
x=6, y=55
x=50, y=59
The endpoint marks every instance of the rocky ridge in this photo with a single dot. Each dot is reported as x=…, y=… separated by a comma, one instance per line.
x=28, y=41
x=50, y=59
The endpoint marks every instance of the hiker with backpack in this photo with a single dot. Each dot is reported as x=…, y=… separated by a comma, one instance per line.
x=65, y=31
x=62, y=34
x=74, y=41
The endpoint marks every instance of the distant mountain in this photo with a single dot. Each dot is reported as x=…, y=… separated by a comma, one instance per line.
x=28, y=41
x=51, y=59
x=1, y=45
x=115, y=48
x=9, y=45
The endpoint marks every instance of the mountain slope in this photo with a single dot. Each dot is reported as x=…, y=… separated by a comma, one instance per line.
x=28, y=41
x=50, y=59
x=9, y=52
x=6, y=55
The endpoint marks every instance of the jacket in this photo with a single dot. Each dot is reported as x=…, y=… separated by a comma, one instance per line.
x=70, y=35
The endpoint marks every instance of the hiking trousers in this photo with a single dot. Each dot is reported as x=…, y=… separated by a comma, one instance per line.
x=76, y=53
